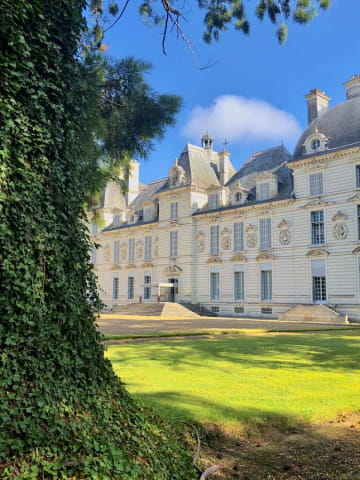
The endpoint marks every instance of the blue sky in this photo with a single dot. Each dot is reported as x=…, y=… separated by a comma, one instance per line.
x=253, y=94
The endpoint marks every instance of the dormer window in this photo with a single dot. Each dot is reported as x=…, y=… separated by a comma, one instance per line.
x=238, y=197
x=147, y=214
x=315, y=144
x=214, y=201
x=116, y=221
x=264, y=191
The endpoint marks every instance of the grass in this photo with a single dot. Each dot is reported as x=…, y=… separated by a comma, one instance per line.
x=263, y=378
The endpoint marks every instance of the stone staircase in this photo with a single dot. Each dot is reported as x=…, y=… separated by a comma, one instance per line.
x=313, y=314
x=199, y=309
x=164, y=309
x=141, y=309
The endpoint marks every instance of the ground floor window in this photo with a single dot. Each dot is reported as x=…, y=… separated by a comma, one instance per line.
x=238, y=285
x=215, y=285
x=131, y=288
x=319, y=289
x=147, y=287
x=266, y=282
x=115, y=288
x=318, y=274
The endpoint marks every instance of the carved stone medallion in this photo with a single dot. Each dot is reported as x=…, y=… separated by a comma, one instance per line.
x=340, y=231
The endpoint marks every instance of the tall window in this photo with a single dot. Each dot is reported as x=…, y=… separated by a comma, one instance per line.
x=317, y=228
x=115, y=288
x=147, y=287
x=116, y=251
x=147, y=255
x=266, y=281
x=214, y=240
x=214, y=285
x=239, y=282
x=173, y=210
x=214, y=201
x=173, y=244
x=265, y=233
x=131, y=249
x=238, y=237
x=357, y=176
x=264, y=191
x=131, y=282
x=316, y=184
x=147, y=214
x=318, y=281
x=358, y=221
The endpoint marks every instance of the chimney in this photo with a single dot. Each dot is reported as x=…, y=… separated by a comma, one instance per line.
x=133, y=182
x=317, y=102
x=353, y=87
x=224, y=165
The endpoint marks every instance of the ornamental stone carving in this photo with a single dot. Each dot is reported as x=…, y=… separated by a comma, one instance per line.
x=139, y=249
x=251, y=238
x=123, y=251
x=106, y=253
x=225, y=239
x=172, y=268
x=284, y=235
x=340, y=231
x=201, y=242
x=177, y=175
x=339, y=217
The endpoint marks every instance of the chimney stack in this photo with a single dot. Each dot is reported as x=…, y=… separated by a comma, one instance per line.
x=353, y=87
x=317, y=102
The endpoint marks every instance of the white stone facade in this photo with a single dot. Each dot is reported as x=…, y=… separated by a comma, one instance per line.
x=282, y=231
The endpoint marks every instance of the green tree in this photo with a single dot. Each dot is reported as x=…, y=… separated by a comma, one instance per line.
x=219, y=14
x=63, y=412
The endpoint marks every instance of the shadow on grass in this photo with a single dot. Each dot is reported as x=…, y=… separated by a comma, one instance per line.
x=331, y=352
x=268, y=445
x=180, y=407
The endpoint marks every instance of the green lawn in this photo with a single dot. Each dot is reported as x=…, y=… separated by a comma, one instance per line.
x=252, y=379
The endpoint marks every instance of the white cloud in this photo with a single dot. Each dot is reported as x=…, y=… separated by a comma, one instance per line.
x=237, y=118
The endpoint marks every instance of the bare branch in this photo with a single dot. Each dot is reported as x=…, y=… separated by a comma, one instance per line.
x=119, y=16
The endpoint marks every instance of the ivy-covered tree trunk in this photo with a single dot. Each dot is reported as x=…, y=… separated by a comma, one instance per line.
x=63, y=412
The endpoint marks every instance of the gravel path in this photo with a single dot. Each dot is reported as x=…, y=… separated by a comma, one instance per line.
x=115, y=324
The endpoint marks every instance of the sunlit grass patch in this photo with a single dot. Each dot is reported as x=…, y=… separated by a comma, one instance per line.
x=250, y=379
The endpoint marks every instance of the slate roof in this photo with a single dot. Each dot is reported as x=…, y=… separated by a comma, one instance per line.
x=148, y=193
x=199, y=169
x=340, y=124
x=272, y=160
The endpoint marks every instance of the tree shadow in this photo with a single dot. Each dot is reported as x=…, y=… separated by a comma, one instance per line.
x=267, y=445
x=315, y=352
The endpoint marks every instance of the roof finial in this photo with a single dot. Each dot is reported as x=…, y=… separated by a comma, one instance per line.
x=226, y=143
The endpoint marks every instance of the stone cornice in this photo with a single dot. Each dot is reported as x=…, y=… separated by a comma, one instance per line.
x=323, y=157
x=143, y=226
x=267, y=207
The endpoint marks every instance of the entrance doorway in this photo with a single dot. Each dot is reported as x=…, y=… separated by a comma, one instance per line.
x=173, y=291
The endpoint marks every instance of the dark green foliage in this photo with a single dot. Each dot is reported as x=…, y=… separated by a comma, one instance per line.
x=132, y=113
x=221, y=14
x=63, y=412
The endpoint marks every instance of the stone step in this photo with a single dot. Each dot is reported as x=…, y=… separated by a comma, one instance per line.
x=313, y=314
